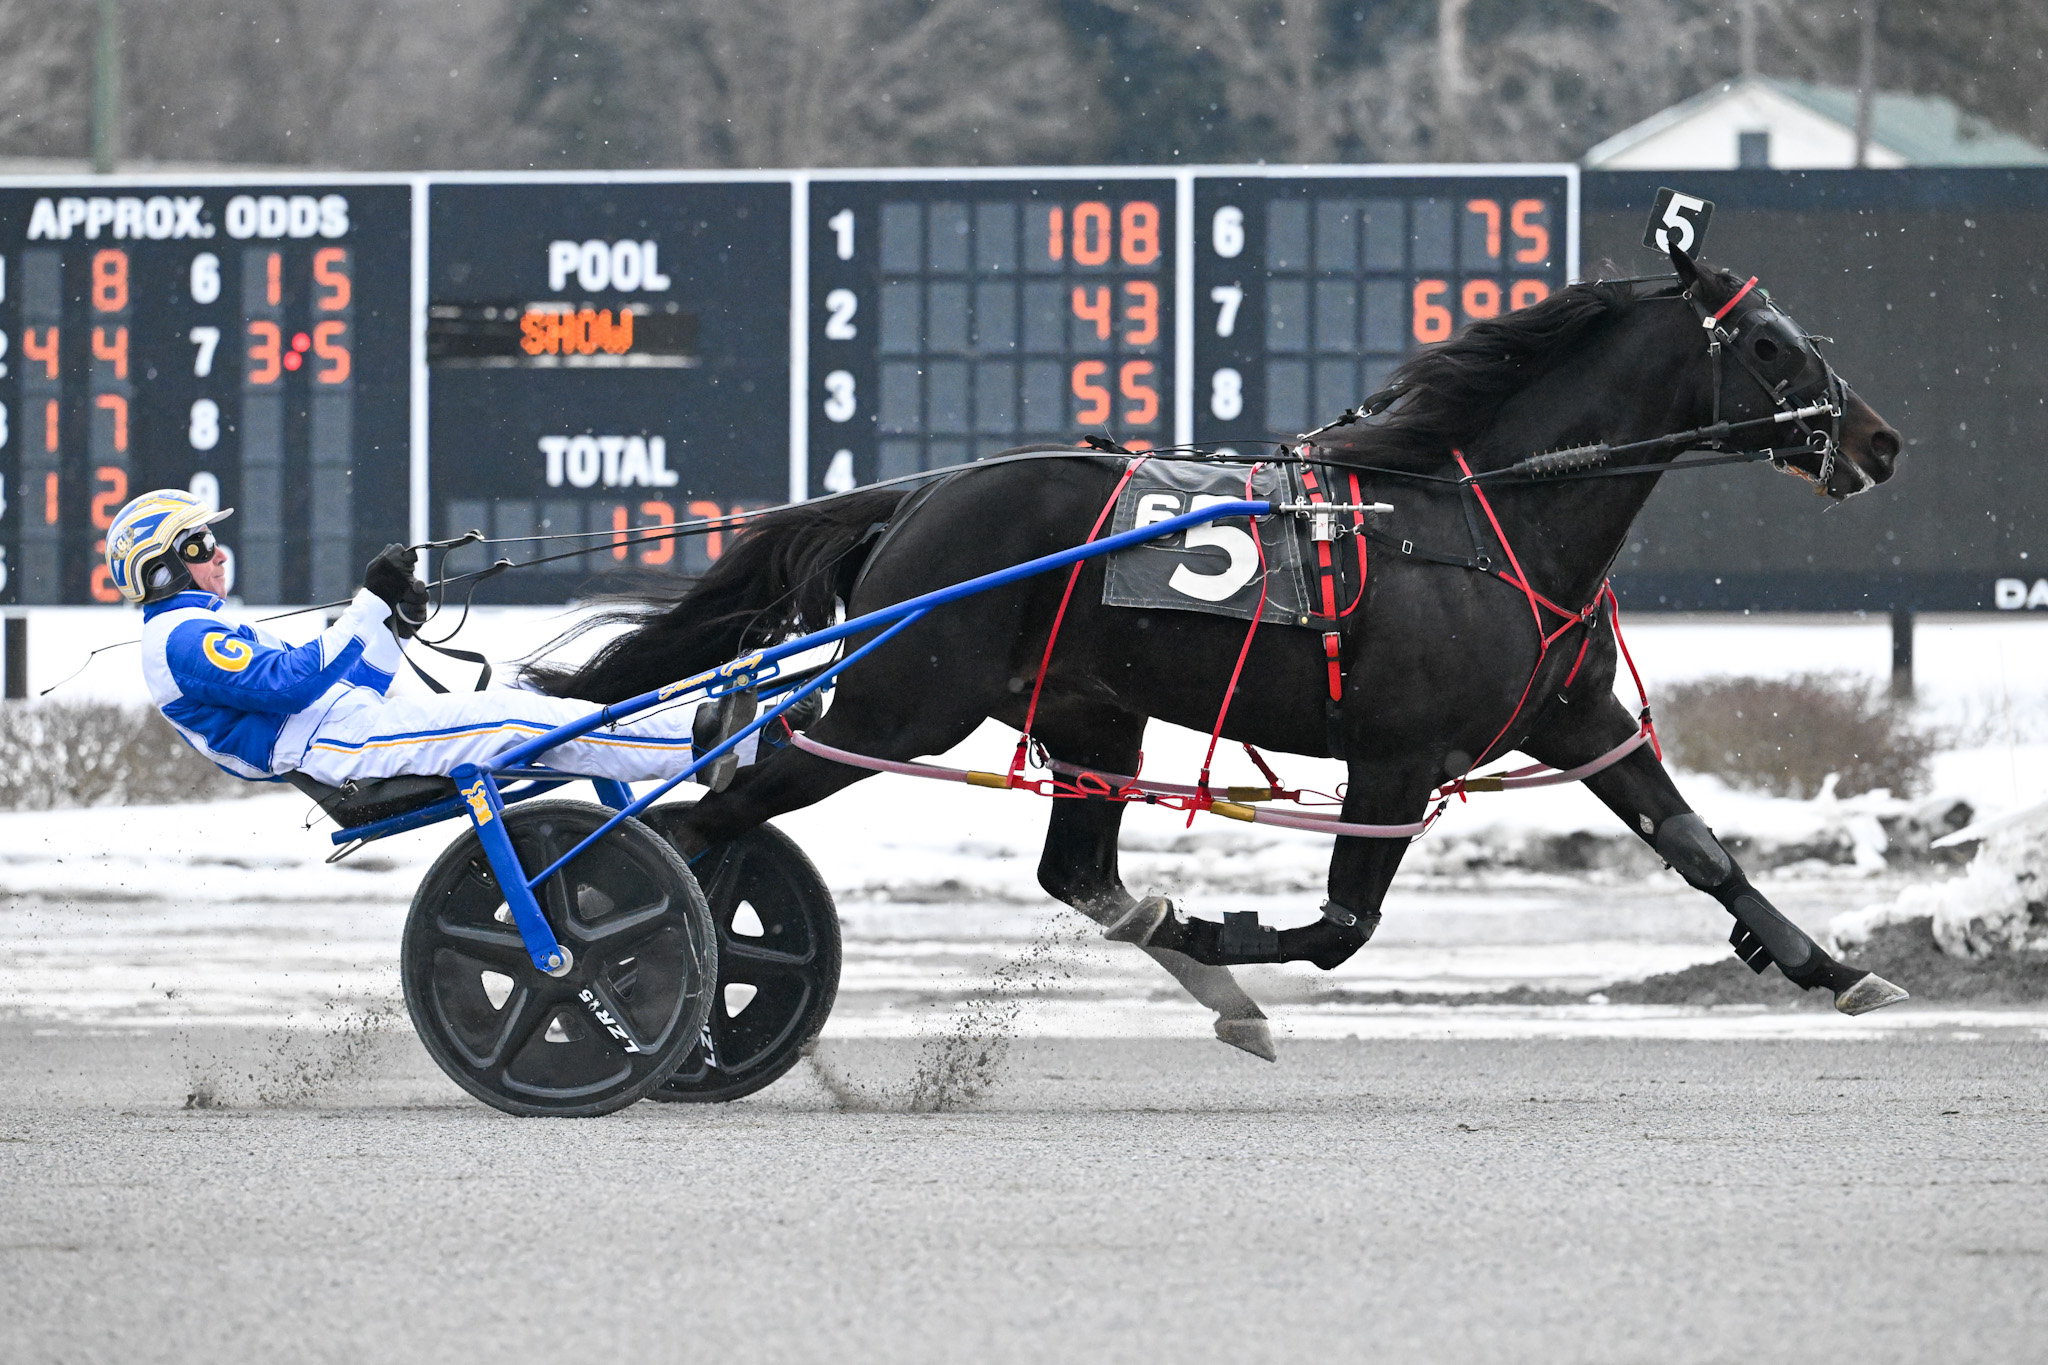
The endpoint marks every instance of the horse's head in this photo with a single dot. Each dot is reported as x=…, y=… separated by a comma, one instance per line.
x=1771, y=366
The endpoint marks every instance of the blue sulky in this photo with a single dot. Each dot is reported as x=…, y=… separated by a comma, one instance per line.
x=481, y=798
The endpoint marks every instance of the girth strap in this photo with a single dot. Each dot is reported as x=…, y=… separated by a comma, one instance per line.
x=1329, y=618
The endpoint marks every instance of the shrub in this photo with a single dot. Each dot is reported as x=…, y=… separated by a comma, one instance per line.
x=1786, y=735
x=99, y=754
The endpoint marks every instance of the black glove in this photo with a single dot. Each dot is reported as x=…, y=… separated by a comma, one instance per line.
x=390, y=574
x=390, y=577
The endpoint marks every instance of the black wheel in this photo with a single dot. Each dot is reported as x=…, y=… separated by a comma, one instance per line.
x=633, y=1003
x=778, y=967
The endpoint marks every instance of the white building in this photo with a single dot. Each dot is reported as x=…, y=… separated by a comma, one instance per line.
x=1758, y=122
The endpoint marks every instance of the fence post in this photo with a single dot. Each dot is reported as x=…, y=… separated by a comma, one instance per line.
x=15, y=648
x=1902, y=654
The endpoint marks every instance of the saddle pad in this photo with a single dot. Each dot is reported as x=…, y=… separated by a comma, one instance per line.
x=1212, y=568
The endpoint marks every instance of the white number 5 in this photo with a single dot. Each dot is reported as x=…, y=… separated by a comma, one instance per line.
x=1679, y=215
x=1244, y=558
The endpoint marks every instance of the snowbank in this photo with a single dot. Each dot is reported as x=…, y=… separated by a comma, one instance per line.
x=1998, y=906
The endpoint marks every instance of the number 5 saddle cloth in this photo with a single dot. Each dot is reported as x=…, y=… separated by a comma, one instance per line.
x=1216, y=568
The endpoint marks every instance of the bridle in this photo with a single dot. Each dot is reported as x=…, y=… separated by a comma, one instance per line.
x=1785, y=362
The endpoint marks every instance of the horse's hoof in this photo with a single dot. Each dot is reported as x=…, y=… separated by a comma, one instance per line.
x=1871, y=992
x=1136, y=924
x=1248, y=1035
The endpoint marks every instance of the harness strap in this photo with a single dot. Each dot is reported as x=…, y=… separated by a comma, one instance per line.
x=1725, y=308
x=1244, y=650
x=1016, y=774
x=1333, y=637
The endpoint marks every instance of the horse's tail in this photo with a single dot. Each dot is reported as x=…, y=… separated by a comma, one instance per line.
x=783, y=574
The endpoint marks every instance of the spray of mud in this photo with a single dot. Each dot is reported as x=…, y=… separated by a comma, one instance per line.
x=964, y=1060
x=298, y=1066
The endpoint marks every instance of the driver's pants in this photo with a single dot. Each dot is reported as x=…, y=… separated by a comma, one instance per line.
x=368, y=736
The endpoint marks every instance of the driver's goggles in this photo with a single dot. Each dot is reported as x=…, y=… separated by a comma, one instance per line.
x=198, y=546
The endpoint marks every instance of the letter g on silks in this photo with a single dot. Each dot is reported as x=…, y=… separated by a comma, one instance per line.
x=259, y=707
x=1762, y=935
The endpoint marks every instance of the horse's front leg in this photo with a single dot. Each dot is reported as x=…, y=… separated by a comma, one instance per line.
x=1079, y=865
x=1639, y=791
x=1380, y=792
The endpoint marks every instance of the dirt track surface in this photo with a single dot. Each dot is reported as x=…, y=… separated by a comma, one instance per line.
x=1545, y=1200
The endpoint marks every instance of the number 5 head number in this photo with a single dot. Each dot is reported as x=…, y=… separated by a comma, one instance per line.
x=1678, y=222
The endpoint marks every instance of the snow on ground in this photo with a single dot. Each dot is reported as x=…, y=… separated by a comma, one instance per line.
x=226, y=911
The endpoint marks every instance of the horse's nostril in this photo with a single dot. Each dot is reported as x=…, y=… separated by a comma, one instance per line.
x=1884, y=444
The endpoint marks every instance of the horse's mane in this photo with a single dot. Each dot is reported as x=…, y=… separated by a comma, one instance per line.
x=1450, y=393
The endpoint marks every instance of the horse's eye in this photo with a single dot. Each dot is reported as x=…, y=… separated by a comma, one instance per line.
x=1765, y=349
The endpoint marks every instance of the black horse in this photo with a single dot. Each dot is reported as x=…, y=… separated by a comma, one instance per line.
x=1441, y=663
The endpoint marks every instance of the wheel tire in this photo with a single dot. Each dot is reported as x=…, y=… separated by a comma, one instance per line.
x=795, y=981
x=644, y=953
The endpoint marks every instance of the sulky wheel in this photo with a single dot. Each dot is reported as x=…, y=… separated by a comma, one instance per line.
x=778, y=961
x=631, y=1007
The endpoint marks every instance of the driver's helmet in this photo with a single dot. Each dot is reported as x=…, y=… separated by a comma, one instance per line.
x=153, y=538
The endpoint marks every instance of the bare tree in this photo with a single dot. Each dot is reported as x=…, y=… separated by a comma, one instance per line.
x=811, y=82
x=1450, y=79
x=290, y=82
x=45, y=77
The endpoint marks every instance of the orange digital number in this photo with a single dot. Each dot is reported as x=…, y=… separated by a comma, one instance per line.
x=1489, y=210
x=113, y=493
x=1481, y=299
x=117, y=405
x=44, y=354
x=1526, y=292
x=330, y=272
x=1093, y=308
x=329, y=347
x=114, y=352
x=1141, y=232
x=1145, y=313
x=50, y=425
x=1432, y=319
x=110, y=281
x=1091, y=233
x=50, y=498
x=1094, y=394
x=714, y=543
x=1535, y=234
x=266, y=350
x=273, y=279
x=659, y=549
x=1129, y=383
x=1056, y=233
x=103, y=589
x=622, y=521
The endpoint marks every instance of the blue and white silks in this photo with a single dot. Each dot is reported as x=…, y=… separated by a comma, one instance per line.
x=259, y=707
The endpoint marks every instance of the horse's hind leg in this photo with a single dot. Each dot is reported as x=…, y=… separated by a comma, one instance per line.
x=1639, y=791
x=1079, y=864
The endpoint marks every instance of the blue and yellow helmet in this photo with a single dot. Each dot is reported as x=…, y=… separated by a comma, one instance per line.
x=143, y=541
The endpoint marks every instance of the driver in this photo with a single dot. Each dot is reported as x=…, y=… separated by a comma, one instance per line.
x=259, y=707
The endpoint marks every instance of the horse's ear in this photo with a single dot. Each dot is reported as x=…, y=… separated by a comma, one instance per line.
x=1688, y=269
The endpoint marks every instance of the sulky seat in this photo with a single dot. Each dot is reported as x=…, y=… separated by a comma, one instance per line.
x=354, y=804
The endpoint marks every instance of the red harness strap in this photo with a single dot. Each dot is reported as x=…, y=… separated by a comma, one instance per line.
x=1016, y=773
x=1544, y=640
x=1723, y=310
x=1333, y=637
x=1202, y=799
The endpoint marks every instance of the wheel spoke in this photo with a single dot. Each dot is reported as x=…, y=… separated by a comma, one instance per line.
x=526, y=1012
x=619, y=932
x=738, y=950
x=721, y=892
x=496, y=946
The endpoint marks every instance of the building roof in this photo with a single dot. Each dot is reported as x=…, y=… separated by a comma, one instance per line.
x=1810, y=126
